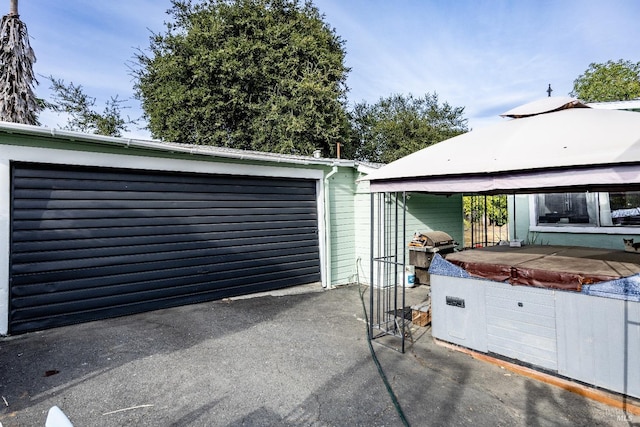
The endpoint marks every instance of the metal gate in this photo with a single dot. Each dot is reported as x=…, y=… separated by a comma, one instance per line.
x=485, y=220
x=90, y=243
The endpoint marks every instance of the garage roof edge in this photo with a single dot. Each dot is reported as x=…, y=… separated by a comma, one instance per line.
x=204, y=150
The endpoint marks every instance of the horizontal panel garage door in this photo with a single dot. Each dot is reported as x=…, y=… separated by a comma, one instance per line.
x=94, y=243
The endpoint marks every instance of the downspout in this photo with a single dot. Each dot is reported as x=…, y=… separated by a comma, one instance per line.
x=327, y=228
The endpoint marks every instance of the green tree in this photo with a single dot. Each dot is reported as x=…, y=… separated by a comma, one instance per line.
x=71, y=101
x=400, y=125
x=18, y=103
x=611, y=81
x=264, y=75
x=494, y=206
x=489, y=209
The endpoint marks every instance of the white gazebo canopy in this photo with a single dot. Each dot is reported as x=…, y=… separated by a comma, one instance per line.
x=555, y=144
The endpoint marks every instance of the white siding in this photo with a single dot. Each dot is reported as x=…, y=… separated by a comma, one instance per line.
x=5, y=232
x=591, y=339
x=521, y=323
x=466, y=325
x=599, y=341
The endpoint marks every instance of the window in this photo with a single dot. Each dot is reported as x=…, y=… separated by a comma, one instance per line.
x=567, y=208
x=624, y=209
x=589, y=209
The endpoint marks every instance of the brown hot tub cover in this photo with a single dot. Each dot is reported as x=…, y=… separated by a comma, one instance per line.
x=557, y=267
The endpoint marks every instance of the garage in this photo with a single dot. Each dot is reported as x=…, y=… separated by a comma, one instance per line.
x=88, y=243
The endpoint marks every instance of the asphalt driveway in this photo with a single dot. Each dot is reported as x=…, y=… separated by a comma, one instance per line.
x=296, y=359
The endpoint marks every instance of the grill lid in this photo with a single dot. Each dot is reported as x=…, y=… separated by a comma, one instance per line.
x=433, y=239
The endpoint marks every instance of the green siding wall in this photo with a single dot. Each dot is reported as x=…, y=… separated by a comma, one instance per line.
x=519, y=222
x=427, y=212
x=341, y=189
x=435, y=213
x=350, y=218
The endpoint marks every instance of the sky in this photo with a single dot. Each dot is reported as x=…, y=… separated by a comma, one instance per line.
x=485, y=56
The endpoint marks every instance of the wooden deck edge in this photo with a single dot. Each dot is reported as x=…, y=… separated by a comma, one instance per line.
x=602, y=396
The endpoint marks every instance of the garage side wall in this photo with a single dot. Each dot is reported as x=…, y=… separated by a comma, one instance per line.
x=342, y=233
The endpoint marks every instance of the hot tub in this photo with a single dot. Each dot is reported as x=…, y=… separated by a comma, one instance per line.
x=570, y=310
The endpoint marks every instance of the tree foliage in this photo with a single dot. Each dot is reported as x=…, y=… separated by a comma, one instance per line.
x=262, y=75
x=79, y=108
x=611, y=81
x=18, y=103
x=494, y=207
x=400, y=125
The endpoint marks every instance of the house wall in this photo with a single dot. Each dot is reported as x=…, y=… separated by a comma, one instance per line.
x=424, y=213
x=594, y=237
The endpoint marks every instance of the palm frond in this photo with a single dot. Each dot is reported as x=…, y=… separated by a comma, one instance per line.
x=18, y=102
